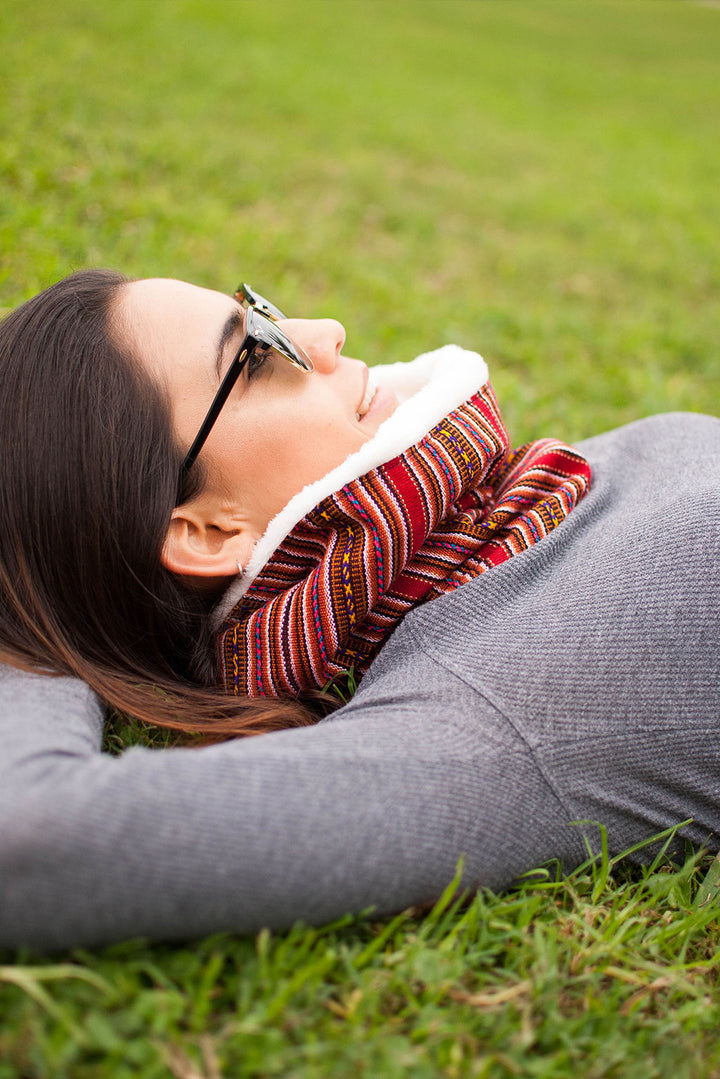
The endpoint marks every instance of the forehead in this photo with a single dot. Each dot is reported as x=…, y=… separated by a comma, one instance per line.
x=162, y=301
x=172, y=325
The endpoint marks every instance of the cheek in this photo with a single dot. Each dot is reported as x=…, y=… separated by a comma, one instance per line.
x=307, y=444
x=268, y=455
x=318, y=422
x=309, y=451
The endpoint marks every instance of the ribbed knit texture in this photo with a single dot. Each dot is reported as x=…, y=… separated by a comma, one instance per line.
x=443, y=512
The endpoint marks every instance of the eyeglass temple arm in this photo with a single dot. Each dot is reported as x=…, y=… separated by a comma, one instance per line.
x=233, y=374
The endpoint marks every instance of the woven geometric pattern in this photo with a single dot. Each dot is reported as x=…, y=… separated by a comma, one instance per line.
x=446, y=510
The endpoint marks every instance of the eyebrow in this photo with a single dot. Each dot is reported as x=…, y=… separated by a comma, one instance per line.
x=232, y=324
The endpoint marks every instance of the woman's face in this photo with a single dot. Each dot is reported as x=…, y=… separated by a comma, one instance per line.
x=280, y=428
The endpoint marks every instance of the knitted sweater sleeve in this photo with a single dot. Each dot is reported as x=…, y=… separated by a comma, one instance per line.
x=370, y=809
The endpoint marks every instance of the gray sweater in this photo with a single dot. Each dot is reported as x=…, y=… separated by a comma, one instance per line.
x=577, y=682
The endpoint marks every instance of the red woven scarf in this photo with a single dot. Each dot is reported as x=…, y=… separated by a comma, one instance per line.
x=439, y=514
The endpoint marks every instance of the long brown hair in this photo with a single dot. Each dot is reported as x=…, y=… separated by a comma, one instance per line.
x=89, y=470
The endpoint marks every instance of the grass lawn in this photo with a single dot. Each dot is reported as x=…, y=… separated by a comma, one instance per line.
x=537, y=179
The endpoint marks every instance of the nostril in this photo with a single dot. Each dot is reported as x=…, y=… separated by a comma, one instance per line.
x=335, y=334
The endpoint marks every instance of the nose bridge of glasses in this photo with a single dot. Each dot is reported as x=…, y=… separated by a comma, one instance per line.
x=248, y=298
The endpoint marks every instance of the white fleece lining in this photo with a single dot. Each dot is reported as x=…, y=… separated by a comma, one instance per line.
x=428, y=388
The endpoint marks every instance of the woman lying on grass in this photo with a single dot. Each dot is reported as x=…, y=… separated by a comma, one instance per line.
x=208, y=513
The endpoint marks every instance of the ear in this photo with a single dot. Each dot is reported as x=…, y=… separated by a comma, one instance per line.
x=198, y=547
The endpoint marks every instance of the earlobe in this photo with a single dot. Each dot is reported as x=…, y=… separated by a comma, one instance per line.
x=194, y=547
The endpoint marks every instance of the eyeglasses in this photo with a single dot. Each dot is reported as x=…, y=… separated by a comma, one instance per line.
x=261, y=335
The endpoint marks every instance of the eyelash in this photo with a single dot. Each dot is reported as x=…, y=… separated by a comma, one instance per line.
x=257, y=362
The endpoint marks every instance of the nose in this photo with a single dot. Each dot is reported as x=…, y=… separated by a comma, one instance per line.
x=322, y=339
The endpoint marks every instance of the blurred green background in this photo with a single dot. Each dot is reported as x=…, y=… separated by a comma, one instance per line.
x=536, y=180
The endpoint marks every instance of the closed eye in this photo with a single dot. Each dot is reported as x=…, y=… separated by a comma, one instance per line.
x=257, y=361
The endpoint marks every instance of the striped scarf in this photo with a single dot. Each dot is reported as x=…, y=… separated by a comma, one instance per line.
x=448, y=508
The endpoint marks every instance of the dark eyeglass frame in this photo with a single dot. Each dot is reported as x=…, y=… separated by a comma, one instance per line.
x=261, y=334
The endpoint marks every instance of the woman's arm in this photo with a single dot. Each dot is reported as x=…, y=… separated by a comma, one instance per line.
x=372, y=808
